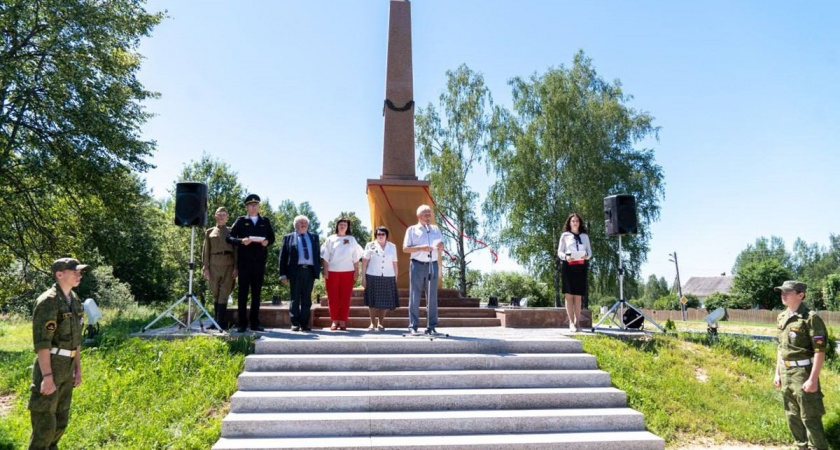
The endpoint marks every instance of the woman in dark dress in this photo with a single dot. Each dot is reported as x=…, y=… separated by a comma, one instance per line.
x=574, y=251
x=379, y=265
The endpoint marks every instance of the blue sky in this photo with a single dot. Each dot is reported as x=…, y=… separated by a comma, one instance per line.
x=289, y=93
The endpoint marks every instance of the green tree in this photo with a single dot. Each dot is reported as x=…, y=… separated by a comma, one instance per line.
x=451, y=141
x=571, y=142
x=831, y=292
x=129, y=236
x=223, y=186
x=755, y=281
x=287, y=211
x=764, y=248
x=655, y=288
x=358, y=230
x=70, y=118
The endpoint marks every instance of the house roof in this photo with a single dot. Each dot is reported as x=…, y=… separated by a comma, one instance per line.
x=706, y=286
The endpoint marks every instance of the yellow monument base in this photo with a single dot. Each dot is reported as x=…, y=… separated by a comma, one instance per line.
x=393, y=203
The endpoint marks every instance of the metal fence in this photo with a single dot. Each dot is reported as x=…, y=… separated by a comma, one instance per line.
x=736, y=315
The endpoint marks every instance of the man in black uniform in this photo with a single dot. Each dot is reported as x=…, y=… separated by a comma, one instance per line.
x=252, y=233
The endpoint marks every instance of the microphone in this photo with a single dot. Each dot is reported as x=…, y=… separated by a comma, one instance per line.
x=426, y=227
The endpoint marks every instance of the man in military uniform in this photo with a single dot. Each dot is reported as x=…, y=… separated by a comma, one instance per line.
x=219, y=259
x=802, y=344
x=57, y=337
x=252, y=233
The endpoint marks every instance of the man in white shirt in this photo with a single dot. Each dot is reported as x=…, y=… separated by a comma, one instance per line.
x=423, y=242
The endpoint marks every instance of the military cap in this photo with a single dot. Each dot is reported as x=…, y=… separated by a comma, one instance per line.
x=252, y=198
x=791, y=285
x=67, y=264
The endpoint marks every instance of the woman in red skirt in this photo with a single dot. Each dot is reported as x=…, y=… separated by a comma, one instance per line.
x=340, y=254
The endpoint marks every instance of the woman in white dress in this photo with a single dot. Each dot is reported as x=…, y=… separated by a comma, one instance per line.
x=379, y=265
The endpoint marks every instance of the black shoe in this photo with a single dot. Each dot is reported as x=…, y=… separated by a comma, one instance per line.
x=242, y=329
x=295, y=328
x=258, y=328
x=305, y=329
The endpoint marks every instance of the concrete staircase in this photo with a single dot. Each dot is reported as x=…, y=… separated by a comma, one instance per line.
x=413, y=393
x=453, y=311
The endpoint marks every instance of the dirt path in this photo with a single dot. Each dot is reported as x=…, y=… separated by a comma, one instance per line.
x=6, y=402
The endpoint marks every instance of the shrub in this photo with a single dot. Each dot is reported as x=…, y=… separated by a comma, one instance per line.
x=505, y=285
x=728, y=301
x=108, y=291
x=672, y=302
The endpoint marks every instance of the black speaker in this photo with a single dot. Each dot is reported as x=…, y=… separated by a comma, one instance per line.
x=190, y=204
x=620, y=214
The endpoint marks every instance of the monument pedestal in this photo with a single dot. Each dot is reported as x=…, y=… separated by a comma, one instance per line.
x=393, y=204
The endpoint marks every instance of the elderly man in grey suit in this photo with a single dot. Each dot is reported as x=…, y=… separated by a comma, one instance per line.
x=423, y=242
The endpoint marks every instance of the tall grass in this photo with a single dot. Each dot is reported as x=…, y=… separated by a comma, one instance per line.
x=689, y=387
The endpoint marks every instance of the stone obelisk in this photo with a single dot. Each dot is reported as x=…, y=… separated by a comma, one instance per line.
x=395, y=196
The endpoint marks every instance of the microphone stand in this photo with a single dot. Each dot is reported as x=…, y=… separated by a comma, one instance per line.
x=428, y=230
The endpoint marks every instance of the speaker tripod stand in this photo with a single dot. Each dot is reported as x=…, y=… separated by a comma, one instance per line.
x=616, y=314
x=191, y=301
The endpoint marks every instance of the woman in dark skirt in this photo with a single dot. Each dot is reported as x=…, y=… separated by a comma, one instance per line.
x=574, y=251
x=379, y=264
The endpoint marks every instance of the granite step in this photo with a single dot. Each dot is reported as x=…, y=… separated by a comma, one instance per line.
x=402, y=322
x=364, y=311
x=462, y=379
x=426, y=400
x=450, y=361
x=614, y=440
x=359, y=292
x=401, y=345
x=407, y=423
x=443, y=302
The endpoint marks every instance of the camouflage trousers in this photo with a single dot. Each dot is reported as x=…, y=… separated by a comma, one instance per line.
x=50, y=413
x=804, y=410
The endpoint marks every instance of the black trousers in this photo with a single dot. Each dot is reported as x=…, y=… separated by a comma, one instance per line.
x=251, y=277
x=300, y=286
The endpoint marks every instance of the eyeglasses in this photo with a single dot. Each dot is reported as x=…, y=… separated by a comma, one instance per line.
x=381, y=234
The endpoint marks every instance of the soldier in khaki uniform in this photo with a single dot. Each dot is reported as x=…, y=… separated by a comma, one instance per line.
x=219, y=259
x=57, y=336
x=802, y=344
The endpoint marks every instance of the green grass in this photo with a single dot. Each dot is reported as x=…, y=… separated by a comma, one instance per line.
x=760, y=328
x=136, y=393
x=690, y=389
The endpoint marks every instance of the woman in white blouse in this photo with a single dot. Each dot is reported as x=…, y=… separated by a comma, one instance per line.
x=379, y=265
x=574, y=251
x=340, y=254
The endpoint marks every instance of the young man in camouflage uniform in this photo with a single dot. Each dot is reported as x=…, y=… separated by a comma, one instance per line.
x=802, y=345
x=219, y=259
x=57, y=336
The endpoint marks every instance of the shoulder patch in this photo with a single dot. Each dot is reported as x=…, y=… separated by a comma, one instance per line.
x=50, y=325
